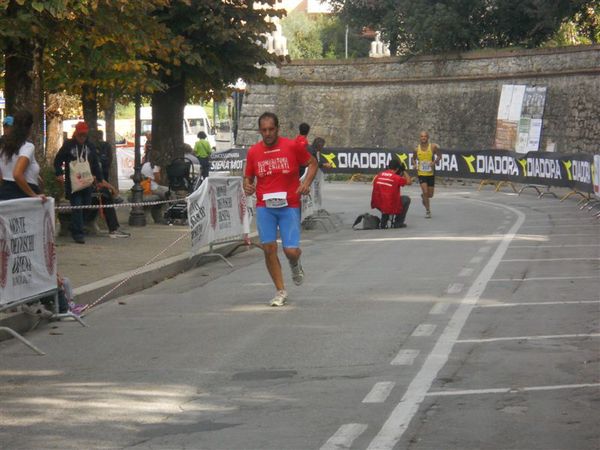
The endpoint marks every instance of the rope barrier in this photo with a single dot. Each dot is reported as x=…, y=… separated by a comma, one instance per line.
x=117, y=205
x=135, y=272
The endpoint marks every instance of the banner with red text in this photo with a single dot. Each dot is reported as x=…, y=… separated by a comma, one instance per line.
x=27, y=252
x=218, y=211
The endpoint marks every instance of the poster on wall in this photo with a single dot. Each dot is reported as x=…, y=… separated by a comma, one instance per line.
x=519, y=120
x=530, y=123
x=596, y=175
x=509, y=113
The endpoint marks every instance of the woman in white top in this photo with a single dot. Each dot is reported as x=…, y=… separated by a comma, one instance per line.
x=19, y=170
x=152, y=171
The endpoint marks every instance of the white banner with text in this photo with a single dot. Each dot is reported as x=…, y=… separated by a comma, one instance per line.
x=27, y=252
x=218, y=211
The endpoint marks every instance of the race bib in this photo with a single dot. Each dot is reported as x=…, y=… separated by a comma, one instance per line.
x=425, y=166
x=275, y=200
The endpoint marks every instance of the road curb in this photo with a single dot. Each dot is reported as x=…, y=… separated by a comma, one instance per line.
x=137, y=280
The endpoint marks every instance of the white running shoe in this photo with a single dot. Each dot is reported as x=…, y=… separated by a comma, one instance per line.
x=428, y=215
x=279, y=299
x=297, y=273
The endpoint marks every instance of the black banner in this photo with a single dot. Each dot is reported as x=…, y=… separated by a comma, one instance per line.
x=548, y=169
x=228, y=160
x=552, y=169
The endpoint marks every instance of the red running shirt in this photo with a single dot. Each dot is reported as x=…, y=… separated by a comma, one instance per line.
x=386, y=192
x=276, y=169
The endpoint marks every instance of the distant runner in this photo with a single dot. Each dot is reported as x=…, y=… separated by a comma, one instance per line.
x=425, y=157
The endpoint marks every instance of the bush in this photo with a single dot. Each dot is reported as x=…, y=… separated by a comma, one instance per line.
x=51, y=187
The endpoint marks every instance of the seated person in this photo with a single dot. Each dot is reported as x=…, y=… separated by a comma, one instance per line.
x=188, y=153
x=386, y=196
x=152, y=172
x=107, y=194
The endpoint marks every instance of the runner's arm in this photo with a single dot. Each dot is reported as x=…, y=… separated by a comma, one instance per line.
x=311, y=172
x=437, y=153
x=249, y=187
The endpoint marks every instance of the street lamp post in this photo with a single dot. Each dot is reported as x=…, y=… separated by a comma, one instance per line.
x=137, y=217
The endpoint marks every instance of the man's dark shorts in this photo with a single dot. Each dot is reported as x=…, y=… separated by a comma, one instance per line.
x=429, y=180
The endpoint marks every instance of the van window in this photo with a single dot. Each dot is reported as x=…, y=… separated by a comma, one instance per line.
x=197, y=125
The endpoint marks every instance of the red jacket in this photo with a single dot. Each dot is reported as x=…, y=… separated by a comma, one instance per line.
x=386, y=192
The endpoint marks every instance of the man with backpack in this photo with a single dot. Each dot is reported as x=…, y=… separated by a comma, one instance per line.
x=386, y=195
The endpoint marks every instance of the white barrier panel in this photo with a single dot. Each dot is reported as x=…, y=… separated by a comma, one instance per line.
x=217, y=211
x=596, y=175
x=27, y=252
x=313, y=202
x=125, y=166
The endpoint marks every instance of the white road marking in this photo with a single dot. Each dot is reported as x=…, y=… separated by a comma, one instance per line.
x=483, y=250
x=380, y=392
x=344, y=436
x=550, y=259
x=546, y=236
x=455, y=288
x=466, y=272
x=405, y=357
x=527, y=338
x=546, y=278
x=425, y=329
x=511, y=390
x=439, y=308
x=562, y=226
x=555, y=246
x=400, y=418
x=476, y=260
x=568, y=302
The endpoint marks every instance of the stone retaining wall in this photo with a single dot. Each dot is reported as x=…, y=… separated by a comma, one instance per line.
x=386, y=102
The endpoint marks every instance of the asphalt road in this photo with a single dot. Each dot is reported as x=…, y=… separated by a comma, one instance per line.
x=476, y=329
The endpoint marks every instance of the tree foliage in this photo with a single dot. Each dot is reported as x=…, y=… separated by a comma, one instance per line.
x=430, y=26
x=322, y=37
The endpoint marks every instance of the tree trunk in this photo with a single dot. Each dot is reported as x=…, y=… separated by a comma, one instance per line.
x=109, y=118
x=54, y=118
x=89, y=102
x=37, y=102
x=18, y=63
x=167, y=123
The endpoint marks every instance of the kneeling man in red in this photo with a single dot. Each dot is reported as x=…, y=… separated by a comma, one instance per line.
x=386, y=195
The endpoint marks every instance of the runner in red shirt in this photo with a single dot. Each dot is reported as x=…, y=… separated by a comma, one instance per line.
x=386, y=196
x=272, y=173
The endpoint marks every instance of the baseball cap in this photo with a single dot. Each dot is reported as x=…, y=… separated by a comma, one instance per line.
x=8, y=121
x=81, y=128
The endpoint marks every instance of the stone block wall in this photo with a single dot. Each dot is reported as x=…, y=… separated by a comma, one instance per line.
x=386, y=102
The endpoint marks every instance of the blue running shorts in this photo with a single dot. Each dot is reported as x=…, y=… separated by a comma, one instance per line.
x=268, y=220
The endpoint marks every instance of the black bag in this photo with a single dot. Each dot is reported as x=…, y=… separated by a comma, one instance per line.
x=370, y=222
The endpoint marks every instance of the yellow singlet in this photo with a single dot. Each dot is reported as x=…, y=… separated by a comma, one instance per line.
x=424, y=161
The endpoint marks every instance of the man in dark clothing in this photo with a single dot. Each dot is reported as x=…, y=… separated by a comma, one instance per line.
x=80, y=148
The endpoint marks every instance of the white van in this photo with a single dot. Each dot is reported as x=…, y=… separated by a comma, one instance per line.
x=195, y=120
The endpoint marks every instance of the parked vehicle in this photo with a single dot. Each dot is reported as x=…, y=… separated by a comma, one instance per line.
x=195, y=120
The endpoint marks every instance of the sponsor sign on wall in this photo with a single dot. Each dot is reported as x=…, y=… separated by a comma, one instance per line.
x=27, y=251
x=551, y=169
x=218, y=211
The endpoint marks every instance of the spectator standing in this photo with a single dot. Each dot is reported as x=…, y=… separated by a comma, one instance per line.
x=386, y=195
x=302, y=138
x=79, y=149
x=425, y=157
x=272, y=173
x=19, y=171
x=203, y=152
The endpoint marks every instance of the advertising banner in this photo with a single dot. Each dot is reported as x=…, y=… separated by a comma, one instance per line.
x=544, y=168
x=229, y=160
x=27, y=252
x=313, y=202
x=218, y=211
x=125, y=166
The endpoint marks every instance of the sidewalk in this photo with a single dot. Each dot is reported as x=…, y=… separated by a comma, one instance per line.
x=105, y=268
